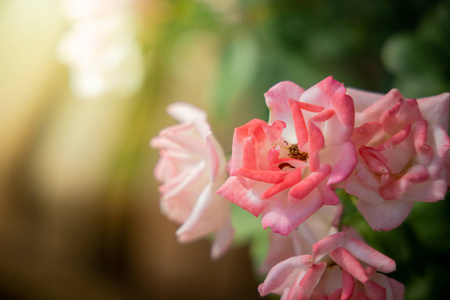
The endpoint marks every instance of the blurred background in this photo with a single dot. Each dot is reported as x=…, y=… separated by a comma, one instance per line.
x=84, y=86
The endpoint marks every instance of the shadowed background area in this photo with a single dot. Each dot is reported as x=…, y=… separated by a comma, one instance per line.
x=82, y=91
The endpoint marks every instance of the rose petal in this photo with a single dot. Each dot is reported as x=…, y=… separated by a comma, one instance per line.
x=315, y=145
x=284, y=273
x=435, y=109
x=398, y=289
x=349, y=263
x=440, y=142
x=264, y=176
x=185, y=112
x=416, y=174
x=183, y=180
x=310, y=280
x=327, y=244
x=277, y=100
x=288, y=181
x=365, y=98
x=328, y=195
x=367, y=254
x=233, y=191
x=243, y=155
x=301, y=132
x=428, y=191
x=395, y=139
x=348, y=285
x=375, y=160
x=376, y=109
x=404, y=113
x=385, y=216
x=374, y=291
x=343, y=159
x=308, y=184
x=216, y=157
x=284, y=219
x=424, y=151
x=192, y=227
x=363, y=134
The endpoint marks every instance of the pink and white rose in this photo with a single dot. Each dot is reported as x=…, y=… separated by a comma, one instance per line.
x=403, y=154
x=101, y=49
x=340, y=267
x=191, y=168
x=288, y=168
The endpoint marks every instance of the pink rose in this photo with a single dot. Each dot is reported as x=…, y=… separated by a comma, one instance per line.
x=322, y=223
x=192, y=168
x=288, y=168
x=403, y=154
x=334, y=271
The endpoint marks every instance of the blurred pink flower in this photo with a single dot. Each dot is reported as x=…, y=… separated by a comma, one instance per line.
x=334, y=271
x=100, y=49
x=192, y=168
x=288, y=168
x=403, y=154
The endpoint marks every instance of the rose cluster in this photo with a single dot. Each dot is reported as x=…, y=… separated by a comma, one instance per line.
x=385, y=150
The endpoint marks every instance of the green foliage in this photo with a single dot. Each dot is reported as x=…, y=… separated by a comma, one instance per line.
x=239, y=63
x=248, y=229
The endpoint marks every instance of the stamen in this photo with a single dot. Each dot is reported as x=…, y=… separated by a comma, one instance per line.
x=297, y=154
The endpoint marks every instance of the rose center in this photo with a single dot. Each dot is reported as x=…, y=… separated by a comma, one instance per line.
x=297, y=154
